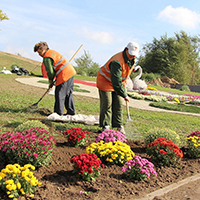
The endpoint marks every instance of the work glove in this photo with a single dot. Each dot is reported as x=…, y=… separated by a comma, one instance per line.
x=51, y=84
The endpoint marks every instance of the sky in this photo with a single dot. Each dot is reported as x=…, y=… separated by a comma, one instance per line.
x=103, y=27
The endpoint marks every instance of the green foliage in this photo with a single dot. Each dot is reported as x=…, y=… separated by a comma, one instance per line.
x=150, y=76
x=86, y=66
x=176, y=57
x=185, y=88
x=154, y=134
x=30, y=124
x=176, y=107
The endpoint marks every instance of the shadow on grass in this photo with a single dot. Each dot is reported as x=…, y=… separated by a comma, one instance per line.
x=12, y=110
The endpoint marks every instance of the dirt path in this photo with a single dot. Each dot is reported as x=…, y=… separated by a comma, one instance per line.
x=140, y=104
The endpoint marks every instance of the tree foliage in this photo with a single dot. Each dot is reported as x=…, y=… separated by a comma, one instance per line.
x=86, y=66
x=3, y=16
x=176, y=57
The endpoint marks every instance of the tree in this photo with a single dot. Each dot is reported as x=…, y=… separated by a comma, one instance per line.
x=86, y=66
x=176, y=57
x=3, y=16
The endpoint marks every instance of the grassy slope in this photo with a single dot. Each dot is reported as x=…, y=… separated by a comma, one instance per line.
x=16, y=98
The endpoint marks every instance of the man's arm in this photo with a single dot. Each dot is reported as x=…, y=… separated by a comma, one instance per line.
x=116, y=78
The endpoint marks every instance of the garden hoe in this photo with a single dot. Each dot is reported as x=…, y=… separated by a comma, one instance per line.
x=130, y=128
x=35, y=105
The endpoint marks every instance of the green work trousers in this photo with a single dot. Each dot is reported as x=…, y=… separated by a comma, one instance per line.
x=111, y=110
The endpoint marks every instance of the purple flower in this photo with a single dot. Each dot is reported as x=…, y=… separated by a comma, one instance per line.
x=111, y=136
x=137, y=167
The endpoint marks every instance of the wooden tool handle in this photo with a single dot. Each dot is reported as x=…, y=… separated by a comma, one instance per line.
x=75, y=53
x=127, y=108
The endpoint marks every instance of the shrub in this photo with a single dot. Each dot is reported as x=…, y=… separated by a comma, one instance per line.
x=76, y=136
x=138, y=169
x=155, y=133
x=112, y=152
x=87, y=166
x=30, y=124
x=33, y=146
x=111, y=136
x=193, y=143
x=17, y=181
x=164, y=152
x=185, y=88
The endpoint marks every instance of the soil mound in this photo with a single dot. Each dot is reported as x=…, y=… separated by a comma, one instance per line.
x=164, y=82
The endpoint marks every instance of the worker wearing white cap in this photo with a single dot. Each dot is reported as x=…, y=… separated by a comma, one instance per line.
x=111, y=80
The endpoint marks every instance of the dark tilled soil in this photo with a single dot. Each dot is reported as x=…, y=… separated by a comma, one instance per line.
x=58, y=182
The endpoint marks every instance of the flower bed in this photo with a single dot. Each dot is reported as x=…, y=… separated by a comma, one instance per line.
x=33, y=146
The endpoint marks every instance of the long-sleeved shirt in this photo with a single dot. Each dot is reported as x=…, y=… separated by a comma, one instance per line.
x=48, y=63
x=116, y=75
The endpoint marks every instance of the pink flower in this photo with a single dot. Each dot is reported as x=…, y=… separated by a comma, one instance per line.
x=5, y=149
x=35, y=155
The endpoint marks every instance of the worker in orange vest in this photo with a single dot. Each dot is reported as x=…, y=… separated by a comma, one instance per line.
x=57, y=66
x=111, y=82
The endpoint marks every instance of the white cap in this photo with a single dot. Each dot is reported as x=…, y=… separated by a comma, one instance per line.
x=133, y=48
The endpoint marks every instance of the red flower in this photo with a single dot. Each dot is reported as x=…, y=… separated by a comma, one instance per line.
x=162, y=151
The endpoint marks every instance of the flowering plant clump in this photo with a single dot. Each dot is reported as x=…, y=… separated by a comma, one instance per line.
x=193, y=142
x=195, y=133
x=29, y=124
x=138, y=169
x=155, y=133
x=111, y=136
x=112, y=152
x=87, y=166
x=33, y=146
x=164, y=152
x=76, y=136
x=17, y=181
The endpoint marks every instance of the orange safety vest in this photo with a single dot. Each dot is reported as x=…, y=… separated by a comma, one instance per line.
x=63, y=69
x=104, y=78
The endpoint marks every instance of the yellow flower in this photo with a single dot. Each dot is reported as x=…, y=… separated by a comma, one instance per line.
x=18, y=185
x=27, y=178
x=22, y=191
x=39, y=183
x=33, y=182
x=11, y=196
x=10, y=181
x=17, y=165
x=31, y=195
